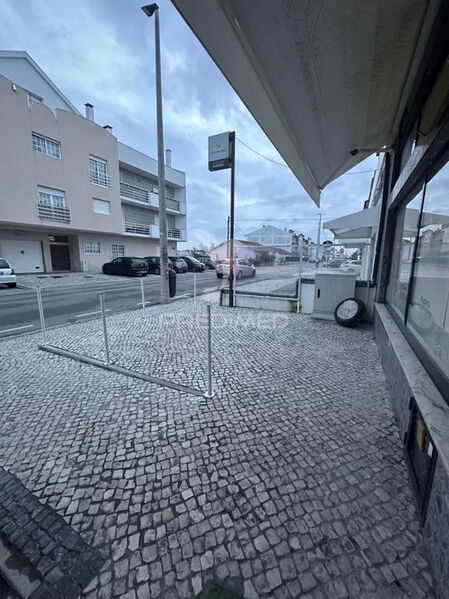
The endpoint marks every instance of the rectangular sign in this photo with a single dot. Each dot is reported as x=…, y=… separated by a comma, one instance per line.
x=219, y=152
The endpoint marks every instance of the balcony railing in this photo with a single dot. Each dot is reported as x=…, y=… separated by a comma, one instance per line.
x=57, y=214
x=136, y=228
x=134, y=193
x=174, y=233
x=172, y=204
x=99, y=179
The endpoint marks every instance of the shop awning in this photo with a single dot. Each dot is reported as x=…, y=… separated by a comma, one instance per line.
x=358, y=225
x=321, y=78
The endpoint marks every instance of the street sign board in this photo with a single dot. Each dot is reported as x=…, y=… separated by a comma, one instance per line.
x=219, y=152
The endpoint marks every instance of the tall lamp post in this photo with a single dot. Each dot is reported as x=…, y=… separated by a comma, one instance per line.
x=150, y=10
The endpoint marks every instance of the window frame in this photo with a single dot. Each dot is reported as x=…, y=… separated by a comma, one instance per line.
x=116, y=244
x=94, y=175
x=46, y=141
x=107, y=202
x=89, y=252
x=439, y=378
x=53, y=193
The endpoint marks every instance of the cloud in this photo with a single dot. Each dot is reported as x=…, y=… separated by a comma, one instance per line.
x=103, y=52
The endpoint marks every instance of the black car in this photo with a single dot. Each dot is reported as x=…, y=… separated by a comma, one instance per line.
x=154, y=264
x=129, y=267
x=178, y=264
x=208, y=262
x=193, y=264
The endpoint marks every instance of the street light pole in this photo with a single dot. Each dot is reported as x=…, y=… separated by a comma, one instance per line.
x=150, y=10
x=318, y=240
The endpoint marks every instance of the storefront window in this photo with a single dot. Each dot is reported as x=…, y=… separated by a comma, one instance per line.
x=428, y=313
x=404, y=244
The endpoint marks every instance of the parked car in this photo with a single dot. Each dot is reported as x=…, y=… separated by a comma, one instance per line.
x=242, y=268
x=7, y=274
x=154, y=264
x=193, y=264
x=208, y=262
x=179, y=265
x=351, y=266
x=127, y=266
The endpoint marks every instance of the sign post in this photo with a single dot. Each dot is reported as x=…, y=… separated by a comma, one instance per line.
x=222, y=156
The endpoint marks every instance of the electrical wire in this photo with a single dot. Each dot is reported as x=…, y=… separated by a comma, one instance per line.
x=284, y=165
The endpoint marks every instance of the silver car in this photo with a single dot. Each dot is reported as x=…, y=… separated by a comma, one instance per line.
x=7, y=274
x=242, y=268
x=351, y=266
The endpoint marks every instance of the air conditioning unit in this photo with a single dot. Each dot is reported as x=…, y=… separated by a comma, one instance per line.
x=331, y=288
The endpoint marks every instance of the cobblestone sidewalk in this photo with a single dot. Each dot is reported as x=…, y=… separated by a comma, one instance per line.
x=290, y=482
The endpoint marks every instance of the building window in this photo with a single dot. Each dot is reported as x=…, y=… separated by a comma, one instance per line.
x=92, y=247
x=102, y=206
x=33, y=99
x=428, y=311
x=43, y=145
x=98, y=172
x=403, y=251
x=52, y=197
x=118, y=250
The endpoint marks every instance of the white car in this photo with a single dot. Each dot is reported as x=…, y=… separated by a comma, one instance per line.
x=351, y=266
x=242, y=268
x=7, y=274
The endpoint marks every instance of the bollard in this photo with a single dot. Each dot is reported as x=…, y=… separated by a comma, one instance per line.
x=105, y=330
x=209, y=393
x=298, y=299
x=40, y=306
x=194, y=285
x=142, y=293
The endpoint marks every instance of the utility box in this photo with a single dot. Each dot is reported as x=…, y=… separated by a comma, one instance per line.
x=331, y=288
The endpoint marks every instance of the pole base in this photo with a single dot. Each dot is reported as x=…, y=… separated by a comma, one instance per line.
x=209, y=395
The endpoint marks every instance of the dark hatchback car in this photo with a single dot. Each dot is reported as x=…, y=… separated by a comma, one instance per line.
x=129, y=267
x=193, y=264
x=208, y=262
x=178, y=264
x=154, y=265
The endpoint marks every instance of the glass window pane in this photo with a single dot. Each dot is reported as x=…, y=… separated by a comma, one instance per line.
x=404, y=244
x=428, y=314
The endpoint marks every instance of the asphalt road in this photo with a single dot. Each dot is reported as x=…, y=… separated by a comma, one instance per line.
x=64, y=305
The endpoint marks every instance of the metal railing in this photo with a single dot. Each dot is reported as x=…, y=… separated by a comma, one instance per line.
x=55, y=213
x=136, y=228
x=174, y=233
x=108, y=364
x=101, y=180
x=134, y=193
x=172, y=204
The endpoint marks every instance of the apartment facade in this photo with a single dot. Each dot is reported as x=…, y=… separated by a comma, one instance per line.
x=72, y=197
x=289, y=241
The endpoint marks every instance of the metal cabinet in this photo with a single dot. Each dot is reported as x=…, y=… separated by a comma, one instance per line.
x=331, y=288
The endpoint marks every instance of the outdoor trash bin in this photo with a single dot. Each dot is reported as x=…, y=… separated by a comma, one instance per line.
x=172, y=282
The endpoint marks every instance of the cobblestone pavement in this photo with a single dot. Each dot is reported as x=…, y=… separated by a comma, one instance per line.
x=290, y=482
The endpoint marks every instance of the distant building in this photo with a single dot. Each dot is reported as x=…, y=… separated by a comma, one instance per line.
x=72, y=197
x=248, y=250
x=289, y=241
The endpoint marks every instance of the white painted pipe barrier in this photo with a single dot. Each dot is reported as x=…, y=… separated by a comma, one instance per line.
x=105, y=330
x=209, y=393
x=41, y=315
x=194, y=285
x=142, y=293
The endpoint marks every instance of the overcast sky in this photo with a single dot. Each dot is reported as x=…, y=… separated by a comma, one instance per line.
x=103, y=52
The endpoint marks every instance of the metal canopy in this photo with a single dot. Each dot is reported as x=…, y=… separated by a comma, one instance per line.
x=357, y=224
x=320, y=77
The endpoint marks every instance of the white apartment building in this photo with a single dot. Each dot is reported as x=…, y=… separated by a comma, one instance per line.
x=281, y=238
x=73, y=197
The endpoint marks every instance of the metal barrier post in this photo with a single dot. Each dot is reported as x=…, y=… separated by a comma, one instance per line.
x=298, y=299
x=40, y=306
x=142, y=293
x=194, y=285
x=209, y=393
x=105, y=330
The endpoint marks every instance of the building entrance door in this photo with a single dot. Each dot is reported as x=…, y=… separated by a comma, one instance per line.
x=60, y=256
